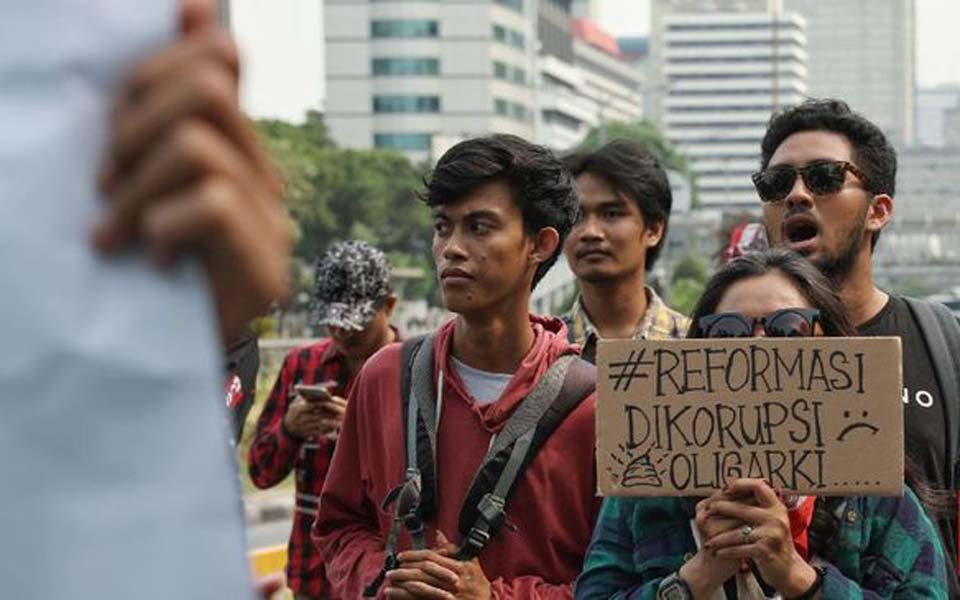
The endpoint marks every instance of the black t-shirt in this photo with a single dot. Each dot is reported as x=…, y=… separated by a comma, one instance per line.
x=924, y=413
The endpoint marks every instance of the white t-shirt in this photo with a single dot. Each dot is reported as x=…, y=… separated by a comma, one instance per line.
x=484, y=386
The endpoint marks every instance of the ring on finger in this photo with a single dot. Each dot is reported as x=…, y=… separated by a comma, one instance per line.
x=745, y=532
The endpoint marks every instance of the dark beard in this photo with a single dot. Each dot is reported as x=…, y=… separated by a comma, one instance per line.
x=838, y=266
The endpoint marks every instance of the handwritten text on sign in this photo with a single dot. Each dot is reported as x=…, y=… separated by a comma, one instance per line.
x=814, y=415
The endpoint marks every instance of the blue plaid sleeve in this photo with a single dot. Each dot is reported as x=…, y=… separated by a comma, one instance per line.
x=637, y=542
x=891, y=551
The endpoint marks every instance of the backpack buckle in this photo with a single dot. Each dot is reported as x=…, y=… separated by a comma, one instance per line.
x=491, y=510
x=408, y=503
x=475, y=541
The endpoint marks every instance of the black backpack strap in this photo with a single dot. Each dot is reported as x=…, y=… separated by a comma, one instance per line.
x=941, y=331
x=568, y=321
x=562, y=388
x=408, y=498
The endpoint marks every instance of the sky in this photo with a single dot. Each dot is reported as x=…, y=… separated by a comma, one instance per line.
x=283, y=66
x=938, y=44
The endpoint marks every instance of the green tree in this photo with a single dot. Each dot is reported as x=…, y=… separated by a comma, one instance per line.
x=645, y=133
x=335, y=194
x=684, y=295
x=690, y=267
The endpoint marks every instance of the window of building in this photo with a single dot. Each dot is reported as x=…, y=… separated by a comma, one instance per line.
x=550, y=82
x=508, y=36
x=518, y=112
x=411, y=28
x=402, y=141
x=595, y=67
x=509, y=73
x=512, y=110
x=516, y=5
x=404, y=104
x=406, y=66
x=555, y=117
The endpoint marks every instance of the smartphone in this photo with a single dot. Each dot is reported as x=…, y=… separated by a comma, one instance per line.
x=313, y=392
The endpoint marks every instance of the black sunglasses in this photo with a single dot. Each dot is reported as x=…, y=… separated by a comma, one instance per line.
x=821, y=177
x=786, y=322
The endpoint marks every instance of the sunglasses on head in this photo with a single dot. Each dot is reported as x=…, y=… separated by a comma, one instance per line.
x=786, y=322
x=821, y=177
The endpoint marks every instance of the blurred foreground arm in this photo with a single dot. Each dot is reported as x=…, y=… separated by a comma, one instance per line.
x=184, y=172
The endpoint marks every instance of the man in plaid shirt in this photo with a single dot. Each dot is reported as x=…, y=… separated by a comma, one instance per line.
x=625, y=204
x=298, y=428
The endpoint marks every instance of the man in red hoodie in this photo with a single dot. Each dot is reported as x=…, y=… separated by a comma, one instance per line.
x=501, y=210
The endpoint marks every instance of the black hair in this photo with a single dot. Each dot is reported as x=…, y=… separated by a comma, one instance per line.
x=540, y=184
x=816, y=289
x=808, y=280
x=872, y=151
x=630, y=169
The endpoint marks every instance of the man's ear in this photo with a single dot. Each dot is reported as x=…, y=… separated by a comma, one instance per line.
x=654, y=232
x=879, y=213
x=544, y=245
x=389, y=305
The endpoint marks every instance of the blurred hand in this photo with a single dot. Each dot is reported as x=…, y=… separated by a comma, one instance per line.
x=334, y=408
x=304, y=418
x=268, y=586
x=184, y=172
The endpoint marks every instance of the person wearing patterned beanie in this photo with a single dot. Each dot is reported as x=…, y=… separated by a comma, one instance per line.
x=300, y=422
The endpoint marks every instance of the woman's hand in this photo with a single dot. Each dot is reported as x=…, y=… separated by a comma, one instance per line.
x=764, y=537
x=705, y=572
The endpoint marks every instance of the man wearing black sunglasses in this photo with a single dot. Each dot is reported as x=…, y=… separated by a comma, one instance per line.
x=827, y=185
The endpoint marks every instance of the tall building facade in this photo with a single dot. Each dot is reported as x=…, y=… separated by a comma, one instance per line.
x=864, y=52
x=586, y=9
x=919, y=251
x=596, y=85
x=419, y=75
x=718, y=74
x=935, y=107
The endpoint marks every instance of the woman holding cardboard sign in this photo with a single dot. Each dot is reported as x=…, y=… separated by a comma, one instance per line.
x=749, y=540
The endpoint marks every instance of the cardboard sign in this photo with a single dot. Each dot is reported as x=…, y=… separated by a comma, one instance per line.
x=813, y=415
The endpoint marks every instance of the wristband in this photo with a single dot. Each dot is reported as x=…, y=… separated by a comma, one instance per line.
x=814, y=587
x=673, y=587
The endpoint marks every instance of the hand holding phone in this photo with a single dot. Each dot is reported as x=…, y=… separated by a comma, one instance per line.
x=314, y=393
x=324, y=411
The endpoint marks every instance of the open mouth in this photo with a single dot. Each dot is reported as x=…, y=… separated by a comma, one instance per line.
x=800, y=232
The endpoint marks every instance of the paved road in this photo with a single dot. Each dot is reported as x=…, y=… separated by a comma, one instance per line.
x=267, y=534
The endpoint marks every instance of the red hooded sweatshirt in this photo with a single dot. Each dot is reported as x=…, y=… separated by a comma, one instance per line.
x=539, y=551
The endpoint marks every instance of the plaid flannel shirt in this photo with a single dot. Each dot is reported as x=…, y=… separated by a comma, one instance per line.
x=659, y=322
x=886, y=548
x=275, y=452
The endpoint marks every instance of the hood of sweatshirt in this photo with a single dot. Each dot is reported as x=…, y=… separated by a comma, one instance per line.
x=549, y=344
